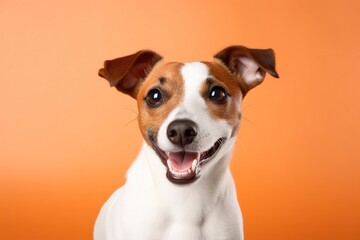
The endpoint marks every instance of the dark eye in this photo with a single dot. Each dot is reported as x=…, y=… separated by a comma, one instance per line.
x=154, y=98
x=218, y=95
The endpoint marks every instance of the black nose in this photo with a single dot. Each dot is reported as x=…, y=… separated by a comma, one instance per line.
x=182, y=132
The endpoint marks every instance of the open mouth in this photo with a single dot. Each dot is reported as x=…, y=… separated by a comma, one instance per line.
x=184, y=167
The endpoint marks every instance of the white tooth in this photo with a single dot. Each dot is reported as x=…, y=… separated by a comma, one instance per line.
x=171, y=168
x=197, y=170
x=169, y=165
x=193, y=166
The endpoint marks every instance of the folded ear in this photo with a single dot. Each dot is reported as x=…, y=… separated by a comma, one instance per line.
x=249, y=65
x=127, y=73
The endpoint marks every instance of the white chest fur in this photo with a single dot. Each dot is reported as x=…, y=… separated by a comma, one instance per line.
x=149, y=207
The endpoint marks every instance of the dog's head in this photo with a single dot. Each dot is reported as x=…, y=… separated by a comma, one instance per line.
x=189, y=113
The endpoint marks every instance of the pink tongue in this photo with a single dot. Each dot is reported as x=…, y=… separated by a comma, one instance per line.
x=183, y=160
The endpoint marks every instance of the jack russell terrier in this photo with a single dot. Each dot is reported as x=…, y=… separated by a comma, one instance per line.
x=180, y=186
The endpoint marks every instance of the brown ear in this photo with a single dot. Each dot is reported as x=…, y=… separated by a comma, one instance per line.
x=127, y=73
x=249, y=64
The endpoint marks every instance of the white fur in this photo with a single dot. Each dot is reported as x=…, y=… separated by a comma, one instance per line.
x=150, y=207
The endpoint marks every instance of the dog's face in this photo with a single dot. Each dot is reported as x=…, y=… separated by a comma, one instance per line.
x=188, y=113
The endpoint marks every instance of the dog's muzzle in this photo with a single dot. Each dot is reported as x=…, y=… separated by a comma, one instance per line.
x=184, y=167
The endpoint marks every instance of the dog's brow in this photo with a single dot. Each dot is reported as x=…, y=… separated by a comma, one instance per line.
x=162, y=80
x=209, y=80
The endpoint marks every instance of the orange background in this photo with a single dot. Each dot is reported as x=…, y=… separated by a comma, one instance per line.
x=66, y=138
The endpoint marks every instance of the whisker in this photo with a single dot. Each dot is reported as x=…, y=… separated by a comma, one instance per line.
x=244, y=108
x=246, y=119
x=242, y=115
x=130, y=110
x=131, y=121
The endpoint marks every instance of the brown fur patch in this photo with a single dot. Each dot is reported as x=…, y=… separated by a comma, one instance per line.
x=230, y=111
x=167, y=77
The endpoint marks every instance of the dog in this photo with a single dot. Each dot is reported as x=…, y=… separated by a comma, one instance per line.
x=180, y=185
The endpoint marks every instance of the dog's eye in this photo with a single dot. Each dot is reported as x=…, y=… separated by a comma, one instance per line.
x=218, y=95
x=154, y=98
